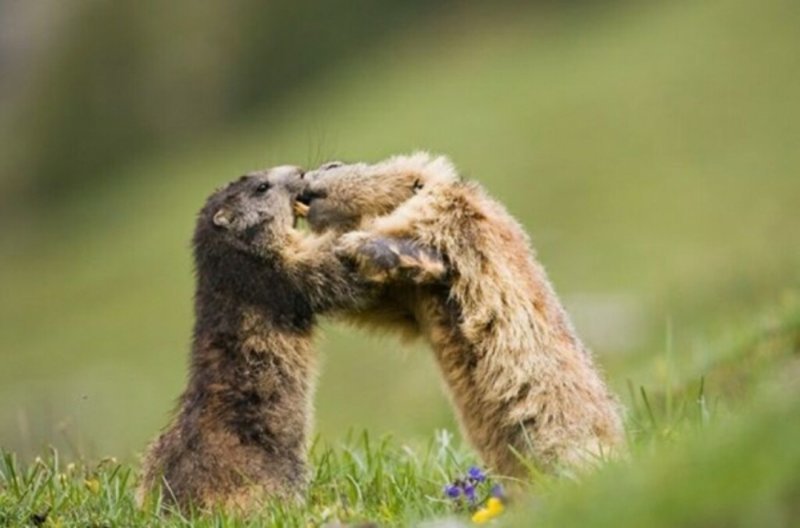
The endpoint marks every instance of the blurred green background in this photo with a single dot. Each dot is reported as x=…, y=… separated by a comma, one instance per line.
x=652, y=150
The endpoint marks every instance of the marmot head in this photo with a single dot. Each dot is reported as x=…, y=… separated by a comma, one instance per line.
x=252, y=211
x=341, y=196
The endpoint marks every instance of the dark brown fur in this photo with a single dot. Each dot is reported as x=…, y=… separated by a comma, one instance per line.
x=242, y=423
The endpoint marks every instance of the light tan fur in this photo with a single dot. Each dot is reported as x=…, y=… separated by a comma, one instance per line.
x=517, y=372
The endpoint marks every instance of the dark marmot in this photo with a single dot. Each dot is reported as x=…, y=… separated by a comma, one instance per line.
x=241, y=428
x=518, y=374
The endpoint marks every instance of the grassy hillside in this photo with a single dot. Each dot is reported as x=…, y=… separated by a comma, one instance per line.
x=699, y=457
x=651, y=152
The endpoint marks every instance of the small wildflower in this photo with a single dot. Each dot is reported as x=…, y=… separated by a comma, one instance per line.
x=476, y=474
x=473, y=487
x=481, y=516
x=452, y=491
x=497, y=491
x=92, y=485
x=469, y=493
x=493, y=508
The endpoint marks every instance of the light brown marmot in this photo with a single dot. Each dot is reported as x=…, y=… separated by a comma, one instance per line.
x=518, y=374
x=241, y=428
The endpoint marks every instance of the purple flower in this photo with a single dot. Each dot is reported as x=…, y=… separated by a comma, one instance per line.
x=497, y=491
x=452, y=491
x=476, y=474
x=469, y=492
x=470, y=486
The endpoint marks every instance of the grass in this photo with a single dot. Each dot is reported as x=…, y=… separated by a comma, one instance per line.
x=698, y=458
x=737, y=470
x=361, y=480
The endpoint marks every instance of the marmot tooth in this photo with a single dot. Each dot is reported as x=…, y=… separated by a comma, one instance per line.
x=300, y=209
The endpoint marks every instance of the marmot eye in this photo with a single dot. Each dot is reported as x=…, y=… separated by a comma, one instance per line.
x=262, y=188
x=417, y=185
x=332, y=165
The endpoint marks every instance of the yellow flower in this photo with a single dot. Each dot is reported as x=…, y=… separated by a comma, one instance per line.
x=481, y=516
x=93, y=485
x=493, y=508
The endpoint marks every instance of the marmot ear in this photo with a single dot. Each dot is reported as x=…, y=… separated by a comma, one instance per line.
x=223, y=218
